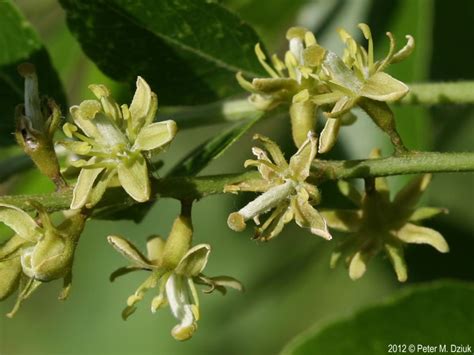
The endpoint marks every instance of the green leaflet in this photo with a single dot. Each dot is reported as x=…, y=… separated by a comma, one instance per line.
x=20, y=43
x=188, y=50
x=418, y=315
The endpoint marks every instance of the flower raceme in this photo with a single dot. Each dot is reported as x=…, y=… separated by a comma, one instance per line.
x=383, y=225
x=175, y=268
x=284, y=189
x=312, y=77
x=117, y=141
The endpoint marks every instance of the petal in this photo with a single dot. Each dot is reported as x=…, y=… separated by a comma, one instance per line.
x=108, y=131
x=426, y=212
x=343, y=220
x=141, y=103
x=20, y=222
x=270, y=171
x=308, y=217
x=156, y=135
x=411, y=233
x=177, y=293
x=267, y=169
x=396, y=255
x=383, y=87
x=275, y=223
x=227, y=281
x=10, y=272
x=83, y=186
x=84, y=124
x=123, y=271
x=410, y=194
x=358, y=265
x=100, y=187
x=134, y=178
x=341, y=75
x=300, y=162
x=273, y=149
x=328, y=136
x=342, y=106
x=194, y=261
x=128, y=250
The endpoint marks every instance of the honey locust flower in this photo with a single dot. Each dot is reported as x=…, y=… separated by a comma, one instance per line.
x=291, y=81
x=38, y=252
x=380, y=224
x=175, y=268
x=116, y=141
x=284, y=190
x=357, y=79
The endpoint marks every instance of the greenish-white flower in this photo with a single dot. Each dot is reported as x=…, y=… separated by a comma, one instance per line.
x=175, y=269
x=37, y=253
x=380, y=224
x=284, y=190
x=116, y=140
x=357, y=79
x=292, y=81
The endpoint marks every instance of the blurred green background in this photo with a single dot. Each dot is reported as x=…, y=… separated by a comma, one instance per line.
x=289, y=284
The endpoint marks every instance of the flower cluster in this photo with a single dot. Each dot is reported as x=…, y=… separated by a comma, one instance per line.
x=284, y=189
x=38, y=252
x=175, y=268
x=382, y=225
x=116, y=141
x=312, y=76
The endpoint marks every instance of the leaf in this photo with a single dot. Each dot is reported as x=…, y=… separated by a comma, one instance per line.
x=20, y=43
x=187, y=50
x=438, y=313
x=212, y=149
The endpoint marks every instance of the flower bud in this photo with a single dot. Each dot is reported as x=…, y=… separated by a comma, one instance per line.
x=49, y=259
x=36, y=122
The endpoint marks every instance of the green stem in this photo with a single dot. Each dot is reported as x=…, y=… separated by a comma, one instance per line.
x=457, y=93
x=409, y=163
x=188, y=188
